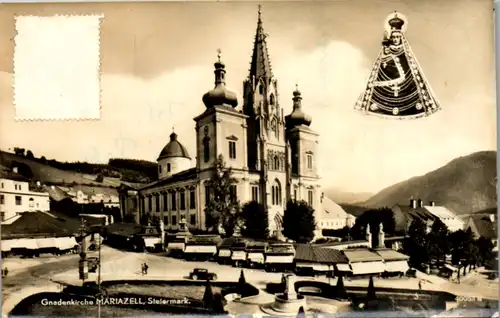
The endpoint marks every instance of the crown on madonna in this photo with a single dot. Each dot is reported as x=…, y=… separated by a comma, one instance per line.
x=396, y=23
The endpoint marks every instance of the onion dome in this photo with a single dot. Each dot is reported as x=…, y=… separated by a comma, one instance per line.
x=174, y=149
x=297, y=117
x=220, y=95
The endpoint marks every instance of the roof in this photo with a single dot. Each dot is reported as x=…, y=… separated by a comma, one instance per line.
x=39, y=223
x=361, y=255
x=174, y=149
x=7, y=173
x=56, y=193
x=441, y=212
x=354, y=242
x=391, y=255
x=333, y=210
x=260, y=66
x=354, y=210
x=311, y=253
x=485, y=226
x=188, y=174
x=124, y=229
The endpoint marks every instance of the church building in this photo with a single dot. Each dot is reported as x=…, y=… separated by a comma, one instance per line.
x=273, y=156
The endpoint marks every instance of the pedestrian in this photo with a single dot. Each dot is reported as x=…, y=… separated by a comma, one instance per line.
x=420, y=285
x=5, y=271
x=146, y=268
x=142, y=268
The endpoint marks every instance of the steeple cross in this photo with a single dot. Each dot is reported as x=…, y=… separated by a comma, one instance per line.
x=219, y=52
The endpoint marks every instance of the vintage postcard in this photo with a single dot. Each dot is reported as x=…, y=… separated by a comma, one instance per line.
x=245, y=158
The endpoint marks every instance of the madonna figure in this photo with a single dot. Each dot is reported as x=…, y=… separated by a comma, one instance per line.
x=397, y=87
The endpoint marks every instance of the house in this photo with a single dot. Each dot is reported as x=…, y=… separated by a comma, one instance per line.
x=484, y=224
x=405, y=214
x=334, y=217
x=19, y=194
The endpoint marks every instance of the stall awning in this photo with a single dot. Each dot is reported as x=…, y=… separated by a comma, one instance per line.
x=151, y=241
x=343, y=268
x=6, y=245
x=397, y=266
x=48, y=242
x=362, y=268
x=24, y=243
x=65, y=243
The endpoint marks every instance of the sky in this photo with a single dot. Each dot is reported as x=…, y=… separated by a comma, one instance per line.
x=157, y=62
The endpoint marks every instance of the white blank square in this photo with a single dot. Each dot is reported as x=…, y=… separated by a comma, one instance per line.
x=57, y=67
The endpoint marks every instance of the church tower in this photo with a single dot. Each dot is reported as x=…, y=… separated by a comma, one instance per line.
x=265, y=128
x=302, y=150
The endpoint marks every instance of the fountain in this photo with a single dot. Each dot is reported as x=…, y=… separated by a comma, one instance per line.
x=287, y=303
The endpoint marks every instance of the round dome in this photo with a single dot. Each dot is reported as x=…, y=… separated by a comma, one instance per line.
x=220, y=95
x=298, y=117
x=174, y=149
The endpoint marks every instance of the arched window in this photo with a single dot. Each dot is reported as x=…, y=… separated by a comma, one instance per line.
x=271, y=99
x=206, y=149
x=159, y=168
x=261, y=89
x=276, y=163
x=168, y=167
x=276, y=193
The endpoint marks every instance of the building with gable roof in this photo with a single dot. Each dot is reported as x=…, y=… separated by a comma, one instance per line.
x=273, y=157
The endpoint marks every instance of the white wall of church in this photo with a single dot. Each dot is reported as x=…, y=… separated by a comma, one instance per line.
x=172, y=165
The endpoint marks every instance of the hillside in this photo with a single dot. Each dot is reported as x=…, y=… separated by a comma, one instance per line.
x=464, y=185
x=343, y=197
x=43, y=171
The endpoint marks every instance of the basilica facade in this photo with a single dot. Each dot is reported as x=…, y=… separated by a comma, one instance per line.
x=273, y=156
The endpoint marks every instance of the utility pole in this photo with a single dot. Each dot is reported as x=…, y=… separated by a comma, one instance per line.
x=82, y=268
x=99, y=275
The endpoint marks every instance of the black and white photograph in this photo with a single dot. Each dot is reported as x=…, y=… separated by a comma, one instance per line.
x=243, y=158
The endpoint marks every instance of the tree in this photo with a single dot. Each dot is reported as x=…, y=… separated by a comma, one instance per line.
x=341, y=291
x=99, y=178
x=208, y=297
x=29, y=154
x=43, y=159
x=242, y=279
x=255, y=221
x=371, y=290
x=437, y=242
x=218, y=307
x=19, y=151
x=463, y=249
x=485, y=249
x=223, y=207
x=374, y=218
x=415, y=245
x=299, y=222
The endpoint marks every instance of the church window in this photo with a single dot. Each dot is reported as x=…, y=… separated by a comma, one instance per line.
x=150, y=204
x=255, y=193
x=165, y=220
x=276, y=163
x=168, y=167
x=165, y=202
x=157, y=202
x=159, y=168
x=207, y=194
x=310, y=197
x=192, y=199
x=192, y=219
x=206, y=149
x=232, y=149
x=276, y=193
x=295, y=194
x=261, y=89
x=271, y=99
x=174, y=219
x=183, y=200
x=233, y=195
x=309, y=162
x=173, y=201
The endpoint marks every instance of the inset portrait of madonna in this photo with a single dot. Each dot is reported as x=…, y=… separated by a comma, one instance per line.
x=397, y=87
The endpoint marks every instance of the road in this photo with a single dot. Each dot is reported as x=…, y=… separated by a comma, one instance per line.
x=39, y=273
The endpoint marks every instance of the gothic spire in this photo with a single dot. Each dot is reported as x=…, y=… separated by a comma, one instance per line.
x=260, y=65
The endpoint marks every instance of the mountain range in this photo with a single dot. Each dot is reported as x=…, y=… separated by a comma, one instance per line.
x=464, y=185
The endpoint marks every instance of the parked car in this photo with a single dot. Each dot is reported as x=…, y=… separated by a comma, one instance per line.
x=202, y=274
